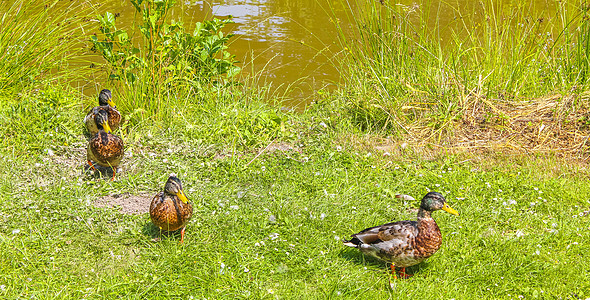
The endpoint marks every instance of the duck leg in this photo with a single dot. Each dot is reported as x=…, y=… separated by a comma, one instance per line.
x=91, y=165
x=393, y=271
x=182, y=234
x=403, y=273
x=114, y=173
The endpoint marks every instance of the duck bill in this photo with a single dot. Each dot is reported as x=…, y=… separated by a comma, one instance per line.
x=450, y=210
x=106, y=127
x=182, y=196
x=111, y=102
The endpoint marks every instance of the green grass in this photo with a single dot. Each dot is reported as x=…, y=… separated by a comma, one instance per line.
x=37, y=40
x=428, y=62
x=56, y=243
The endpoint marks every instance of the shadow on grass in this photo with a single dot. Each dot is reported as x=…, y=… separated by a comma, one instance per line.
x=365, y=260
x=149, y=229
x=97, y=171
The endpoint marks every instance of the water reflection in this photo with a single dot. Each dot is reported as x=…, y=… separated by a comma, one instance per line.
x=285, y=43
x=282, y=40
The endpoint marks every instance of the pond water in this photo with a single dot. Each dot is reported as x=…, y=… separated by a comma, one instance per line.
x=291, y=43
x=286, y=43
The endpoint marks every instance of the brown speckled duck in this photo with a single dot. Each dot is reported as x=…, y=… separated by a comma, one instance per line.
x=405, y=243
x=104, y=148
x=106, y=104
x=171, y=210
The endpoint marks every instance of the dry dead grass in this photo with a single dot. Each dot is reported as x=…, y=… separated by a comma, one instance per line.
x=553, y=125
x=550, y=132
x=556, y=124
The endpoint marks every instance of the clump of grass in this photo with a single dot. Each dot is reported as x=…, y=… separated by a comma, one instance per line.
x=38, y=40
x=41, y=120
x=407, y=64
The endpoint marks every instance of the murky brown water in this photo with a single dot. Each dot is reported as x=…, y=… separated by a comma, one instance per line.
x=287, y=43
x=290, y=43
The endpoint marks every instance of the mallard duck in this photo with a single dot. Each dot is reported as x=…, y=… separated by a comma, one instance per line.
x=106, y=104
x=171, y=210
x=104, y=148
x=405, y=243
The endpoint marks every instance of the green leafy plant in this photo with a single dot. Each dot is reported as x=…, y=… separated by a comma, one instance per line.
x=165, y=52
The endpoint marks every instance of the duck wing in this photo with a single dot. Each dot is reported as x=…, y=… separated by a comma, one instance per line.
x=401, y=230
x=392, y=242
x=89, y=121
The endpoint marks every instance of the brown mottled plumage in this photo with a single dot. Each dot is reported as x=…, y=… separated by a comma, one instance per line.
x=105, y=148
x=405, y=243
x=106, y=104
x=171, y=210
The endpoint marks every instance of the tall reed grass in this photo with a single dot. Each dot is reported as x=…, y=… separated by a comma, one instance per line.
x=429, y=61
x=37, y=41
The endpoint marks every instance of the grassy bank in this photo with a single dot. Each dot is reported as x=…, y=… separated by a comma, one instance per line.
x=432, y=66
x=274, y=194
x=271, y=225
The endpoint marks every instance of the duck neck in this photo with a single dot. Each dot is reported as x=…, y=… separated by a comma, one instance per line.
x=424, y=214
x=426, y=223
x=429, y=237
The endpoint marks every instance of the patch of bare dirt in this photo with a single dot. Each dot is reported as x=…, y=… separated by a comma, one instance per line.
x=281, y=146
x=127, y=203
